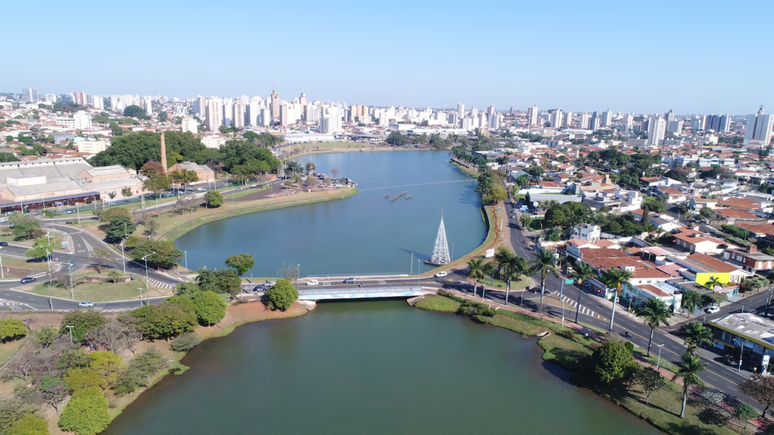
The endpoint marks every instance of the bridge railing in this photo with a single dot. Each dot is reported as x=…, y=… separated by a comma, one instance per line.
x=359, y=290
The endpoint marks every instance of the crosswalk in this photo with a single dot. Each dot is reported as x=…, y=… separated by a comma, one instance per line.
x=583, y=310
x=117, y=310
x=159, y=284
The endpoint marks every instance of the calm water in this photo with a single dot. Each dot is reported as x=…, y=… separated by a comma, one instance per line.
x=371, y=367
x=363, y=234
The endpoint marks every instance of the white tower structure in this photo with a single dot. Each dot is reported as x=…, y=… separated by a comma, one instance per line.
x=441, y=249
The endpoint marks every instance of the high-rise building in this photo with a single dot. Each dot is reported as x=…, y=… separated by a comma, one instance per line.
x=188, y=124
x=594, y=122
x=628, y=121
x=656, y=130
x=460, y=110
x=724, y=125
x=214, y=114
x=284, y=117
x=607, y=118
x=29, y=95
x=148, y=105
x=758, y=128
x=200, y=107
x=275, y=105
x=568, y=119
x=79, y=98
x=330, y=121
x=585, y=118
x=675, y=127
x=699, y=122
x=238, y=114
x=82, y=120
x=556, y=118
x=669, y=116
x=532, y=116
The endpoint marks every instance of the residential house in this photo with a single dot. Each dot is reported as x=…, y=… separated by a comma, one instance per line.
x=696, y=242
x=587, y=232
x=750, y=259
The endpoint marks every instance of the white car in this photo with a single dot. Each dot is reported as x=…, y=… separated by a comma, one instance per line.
x=713, y=309
x=312, y=282
x=86, y=304
x=440, y=274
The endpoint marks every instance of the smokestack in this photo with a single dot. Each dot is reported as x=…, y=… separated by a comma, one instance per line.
x=163, y=154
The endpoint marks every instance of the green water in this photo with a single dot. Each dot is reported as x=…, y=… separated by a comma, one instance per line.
x=360, y=235
x=371, y=367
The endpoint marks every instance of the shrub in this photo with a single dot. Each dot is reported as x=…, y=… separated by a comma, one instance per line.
x=470, y=308
x=186, y=342
x=11, y=410
x=81, y=378
x=87, y=412
x=82, y=322
x=209, y=308
x=612, y=362
x=30, y=424
x=139, y=372
x=12, y=329
x=213, y=199
x=282, y=295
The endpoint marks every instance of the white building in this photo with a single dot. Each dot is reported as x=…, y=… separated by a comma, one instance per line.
x=189, y=124
x=758, y=128
x=607, y=118
x=91, y=146
x=656, y=130
x=214, y=114
x=29, y=95
x=587, y=232
x=532, y=116
x=556, y=118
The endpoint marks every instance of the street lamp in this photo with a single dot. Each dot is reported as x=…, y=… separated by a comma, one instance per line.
x=658, y=363
x=48, y=258
x=140, y=289
x=147, y=284
x=71, y=332
x=70, y=268
x=186, y=259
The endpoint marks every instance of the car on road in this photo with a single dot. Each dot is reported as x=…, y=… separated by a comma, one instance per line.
x=86, y=304
x=259, y=288
x=27, y=280
x=312, y=282
x=350, y=281
x=713, y=309
x=441, y=274
x=269, y=284
x=3, y=243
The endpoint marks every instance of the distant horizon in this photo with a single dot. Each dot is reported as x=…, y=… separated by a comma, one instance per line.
x=629, y=57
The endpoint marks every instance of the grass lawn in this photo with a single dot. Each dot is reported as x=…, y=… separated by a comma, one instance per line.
x=438, y=303
x=21, y=267
x=245, y=192
x=8, y=349
x=515, y=285
x=102, y=292
x=472, y=172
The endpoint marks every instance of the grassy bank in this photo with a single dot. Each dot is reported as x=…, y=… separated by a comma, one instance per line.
x=571, y=349
x=470, y=171
x=173, y=225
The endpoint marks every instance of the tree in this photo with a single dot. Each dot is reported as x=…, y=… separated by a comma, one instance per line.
x=53, y=391
x=650, y=380
x=139, y=371
x=184, y=177
x=165, y=320
x=87, y=413
x=543, y=263
x=213, y=199
x=310, y=167
x=696, y=335
x=30, y=424
x=220, y=281
x=495, y=195
x=335, y=173
x=100, y=259
x=12, y=329
x=691, y=300
x=612, y=362
x=655, y=313
x=111, y=336
x=689, y=372
x=293, y=167
x=713, y=282
x=161, y=254
x=745, y=412
x=157, y=183
x=77, y=358
x=135, y=111
x=187, y=289
x=79, y=378
x=761, y=388
x=707, y=213
x=151, y=227
x=107, y=365
x=185, y=342
x=581, y=272
x=82, y=322
x=475, y=271
x=45, y=336
x=118, y=228
x=526, y=221
x=27, y=229
x=209, y=307
x=282, y=295
x=616, y=278
x=241, y=263
x=395, y=138
x=510, y=266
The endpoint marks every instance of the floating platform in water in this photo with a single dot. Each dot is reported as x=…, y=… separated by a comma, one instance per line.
x=409, y=197
x=399, y=195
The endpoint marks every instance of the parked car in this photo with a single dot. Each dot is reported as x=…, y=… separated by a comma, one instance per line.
x=441, y=274
x=312, y=282
x=27, y=280
x=350, y=281
x=86, y=304
x=713, y=309
x=3, y=243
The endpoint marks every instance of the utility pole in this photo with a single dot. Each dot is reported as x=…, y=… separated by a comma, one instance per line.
x=577, y=308
x=72, y=290
x=658, y=363
x=71, y=332
x=147, y=283
x=612, y=313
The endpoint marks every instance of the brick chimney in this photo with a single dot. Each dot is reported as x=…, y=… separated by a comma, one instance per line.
x=163, y=154
x=752, y=249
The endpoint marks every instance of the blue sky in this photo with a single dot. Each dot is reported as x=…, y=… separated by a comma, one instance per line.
x=689, y=56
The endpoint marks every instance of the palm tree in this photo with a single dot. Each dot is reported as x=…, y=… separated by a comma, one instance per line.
x=696, y=335
x=525, y=220
x=510, y=266
x=310, y=167
x=294, y=167
x=655, y=313
x=616, y=278
x=689, y=369
x=713, y=282
x=581, y=272
x=691, y=300
x=475, y=271
x=543, y=263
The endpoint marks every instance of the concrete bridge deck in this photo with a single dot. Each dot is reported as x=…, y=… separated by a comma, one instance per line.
x=327, y=293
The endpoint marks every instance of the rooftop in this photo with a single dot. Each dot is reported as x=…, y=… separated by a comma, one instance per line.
x=748, y=325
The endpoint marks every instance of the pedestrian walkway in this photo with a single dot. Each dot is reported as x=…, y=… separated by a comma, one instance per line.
x=583, y=310
x=117, y=310
x=160, y=284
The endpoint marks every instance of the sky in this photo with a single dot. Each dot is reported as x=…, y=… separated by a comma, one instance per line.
x=645, y=57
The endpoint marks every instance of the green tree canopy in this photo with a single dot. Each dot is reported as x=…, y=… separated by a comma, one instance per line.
x=249, y=156
x=219, y=281
x=86, y=413
x=135, y=111
x=213, y=199
x=119, y=227
x=613, y=362
x=30, y=424
x=282, y=295
x=209, y=307
x=240, y=262
x=165, y=254
x=165, y=320
x=82, y=322
x=133, y=150
x=12, y=329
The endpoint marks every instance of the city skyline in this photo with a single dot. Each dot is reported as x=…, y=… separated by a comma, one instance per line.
x=415, y=55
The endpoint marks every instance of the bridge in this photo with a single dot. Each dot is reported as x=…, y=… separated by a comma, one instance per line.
x=401, y=186
x=327, y=293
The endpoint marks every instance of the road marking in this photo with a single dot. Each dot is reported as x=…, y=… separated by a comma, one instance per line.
x=381, y=281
